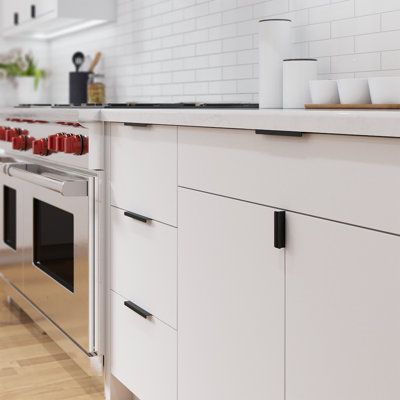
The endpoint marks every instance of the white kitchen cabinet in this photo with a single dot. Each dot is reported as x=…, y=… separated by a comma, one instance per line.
x=343, y=308
x=143, y=353
x=230, y=300
x=144, y=264
x=143, y=169
x=47, y=19
x=343, y=178
x=42, y=7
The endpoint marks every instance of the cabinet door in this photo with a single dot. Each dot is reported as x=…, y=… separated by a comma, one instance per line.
x=230, y=300
x=11, y=13
x=343, y=312
x=143, y=170
x=38, y=8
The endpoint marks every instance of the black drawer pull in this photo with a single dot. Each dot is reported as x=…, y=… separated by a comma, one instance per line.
x=279, y=229
x=16, y=19
x=138, y=217
x=137, y=309
x=279, y=133
x=33, y=11
x=137, y=124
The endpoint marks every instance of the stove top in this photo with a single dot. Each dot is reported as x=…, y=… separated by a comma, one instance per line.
x=148, y=105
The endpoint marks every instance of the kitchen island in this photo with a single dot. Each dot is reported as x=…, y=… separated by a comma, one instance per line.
x=266, y=261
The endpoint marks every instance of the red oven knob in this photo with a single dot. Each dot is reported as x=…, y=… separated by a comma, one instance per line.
x=55, y=141
x=3, y=130
x=14, y=132
x=40, y=147
x=76, y=144
x=22, y=142
x=11, y=133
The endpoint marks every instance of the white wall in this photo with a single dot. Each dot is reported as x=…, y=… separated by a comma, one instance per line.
x=186, y=50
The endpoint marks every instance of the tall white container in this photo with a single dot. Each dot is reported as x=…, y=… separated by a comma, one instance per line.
x=297, y=74
x=274, y=46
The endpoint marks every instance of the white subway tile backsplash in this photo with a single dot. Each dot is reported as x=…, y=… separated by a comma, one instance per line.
x=209, y=74
x=356, y=62
x=237, y=15
x=238, y=72
x=300, y=4
x=378, y=42
x=364, y=7
x=199, y=50
x=237, y=44
x=332, y=47
x=311, y=32
x=391, y=21
x=356, y=26
x=391, y=60
x=184, y=76
x=209, y=47
x=332, y=12
x=270, y=8
x=209, y=21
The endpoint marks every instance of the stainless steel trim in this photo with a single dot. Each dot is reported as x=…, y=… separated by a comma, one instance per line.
x=66, y=185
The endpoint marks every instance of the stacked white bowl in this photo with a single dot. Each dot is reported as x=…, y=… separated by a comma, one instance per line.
x=380, y=90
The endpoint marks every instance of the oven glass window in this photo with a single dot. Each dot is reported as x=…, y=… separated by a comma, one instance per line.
x=53, y=242
x=10, y=217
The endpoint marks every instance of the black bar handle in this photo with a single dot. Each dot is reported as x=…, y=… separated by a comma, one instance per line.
x=16, y=18
x=137, y=309
x=279, y=133
x=138, y=217
x=33, y=11
x=279, y=229
x=136, y=124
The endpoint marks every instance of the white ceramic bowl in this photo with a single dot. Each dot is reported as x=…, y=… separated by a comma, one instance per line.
x=385, y=90
x=354, y=91
x=324, y=92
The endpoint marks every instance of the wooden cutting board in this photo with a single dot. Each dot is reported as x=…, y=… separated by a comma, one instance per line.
x=352, y=106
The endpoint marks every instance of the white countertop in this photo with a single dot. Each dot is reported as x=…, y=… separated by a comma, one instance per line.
x=354, y=122
x=346, y=122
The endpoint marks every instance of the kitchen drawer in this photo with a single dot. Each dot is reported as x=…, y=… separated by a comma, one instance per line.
x=143, y=353
x=144, y=264
x=143, y=164
x=351, y=179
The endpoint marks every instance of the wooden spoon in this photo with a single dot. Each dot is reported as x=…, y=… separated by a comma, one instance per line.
x=95, y=61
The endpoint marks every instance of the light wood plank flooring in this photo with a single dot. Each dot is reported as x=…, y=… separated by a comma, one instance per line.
x=33, y=367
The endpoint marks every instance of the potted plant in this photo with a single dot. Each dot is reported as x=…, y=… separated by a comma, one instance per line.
x=22, y=69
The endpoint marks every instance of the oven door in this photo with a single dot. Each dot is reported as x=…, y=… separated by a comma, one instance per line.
x=58, y=259
x=11, y=227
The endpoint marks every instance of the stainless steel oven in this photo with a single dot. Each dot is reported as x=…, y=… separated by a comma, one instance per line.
x=57, y=243
x=11, y=227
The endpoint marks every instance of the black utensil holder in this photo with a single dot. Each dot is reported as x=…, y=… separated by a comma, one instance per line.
x=78, y=82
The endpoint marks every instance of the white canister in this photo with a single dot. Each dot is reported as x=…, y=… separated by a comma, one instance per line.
x=274, y=46
x=297, y=74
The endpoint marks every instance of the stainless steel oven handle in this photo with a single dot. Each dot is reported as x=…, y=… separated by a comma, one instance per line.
x=68, y=188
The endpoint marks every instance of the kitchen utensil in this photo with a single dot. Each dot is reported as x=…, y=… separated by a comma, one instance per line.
x=354, y=91
x=78, y=59
x=324, y=92
x=385, y=90
x=274, y=47
x=94, y=63
x=297, y=74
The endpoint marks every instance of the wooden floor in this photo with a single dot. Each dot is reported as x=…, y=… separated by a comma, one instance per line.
x=33, y=367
